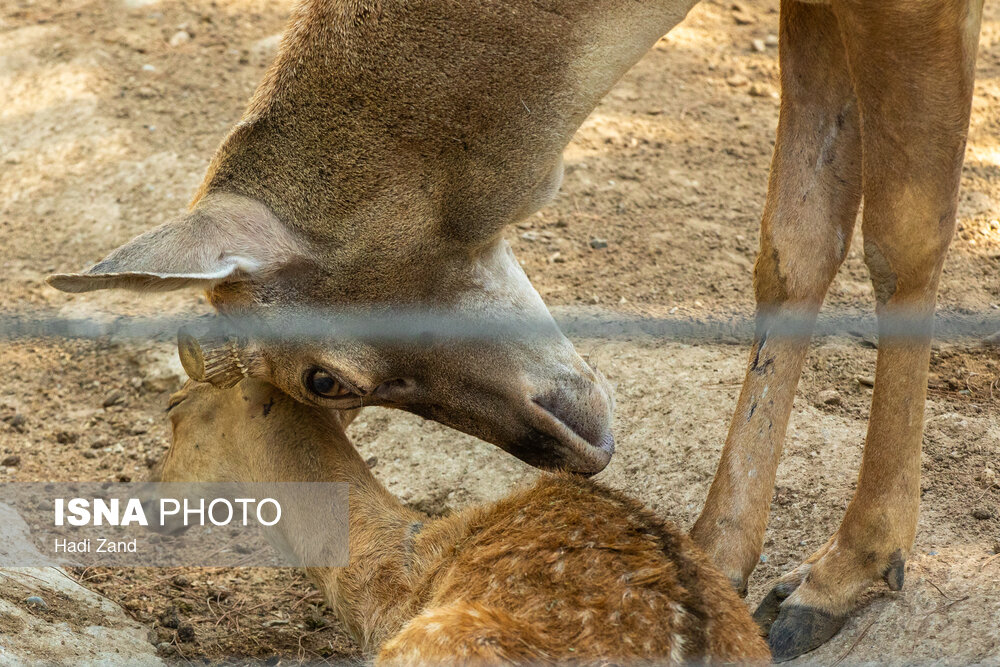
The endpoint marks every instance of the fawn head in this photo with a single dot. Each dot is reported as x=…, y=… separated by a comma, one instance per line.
x=251, y=432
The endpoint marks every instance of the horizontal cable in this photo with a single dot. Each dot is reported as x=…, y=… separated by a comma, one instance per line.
x=439, y=326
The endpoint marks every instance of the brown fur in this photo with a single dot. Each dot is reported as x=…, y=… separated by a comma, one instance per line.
x=875, y=103
x=391, y=141
x=564, y=570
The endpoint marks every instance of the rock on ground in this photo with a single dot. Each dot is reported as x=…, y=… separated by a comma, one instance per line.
x=74, y=626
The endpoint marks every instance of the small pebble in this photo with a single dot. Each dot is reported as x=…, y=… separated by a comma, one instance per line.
x=865, y=381
x=114, y=398
x=829, y=397
x=100, y=443
x=11, y=461
x=181, y=581
x=169, y=618
x=371, y=461
x=180, y=37
x=35, y=601
x=758, y=45
x=166, y=648
x=981, y=514
x=17, y=422
x=771, y=40
x=737, y=80
x=65, y=437
x=597, y=243
x=148, y=68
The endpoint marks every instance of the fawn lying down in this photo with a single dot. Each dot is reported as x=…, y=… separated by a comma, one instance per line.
x=564, y=570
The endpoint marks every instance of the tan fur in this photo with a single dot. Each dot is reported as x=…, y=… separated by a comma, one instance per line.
x=393, y=140
x=875, y=103
x=564, y=570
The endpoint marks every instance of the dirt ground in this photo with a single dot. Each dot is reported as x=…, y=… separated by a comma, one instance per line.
x=109, y=113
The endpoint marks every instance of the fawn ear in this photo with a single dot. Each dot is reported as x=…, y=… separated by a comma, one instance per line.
x=223, y=239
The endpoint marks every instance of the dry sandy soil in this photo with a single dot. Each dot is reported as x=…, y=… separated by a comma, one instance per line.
x=109, y=113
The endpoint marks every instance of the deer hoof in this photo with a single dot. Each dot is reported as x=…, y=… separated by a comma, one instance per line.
x=894, y=573
x=770, y=606
x=740, y=585
x=799, y=629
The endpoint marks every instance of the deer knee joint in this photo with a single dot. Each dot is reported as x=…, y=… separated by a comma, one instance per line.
x=882, y=275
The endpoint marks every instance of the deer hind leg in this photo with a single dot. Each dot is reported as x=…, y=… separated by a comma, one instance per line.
x=809, y=216
x=912, y=64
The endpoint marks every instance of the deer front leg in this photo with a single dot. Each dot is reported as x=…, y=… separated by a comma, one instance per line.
x=812, y=204
x=912, y=65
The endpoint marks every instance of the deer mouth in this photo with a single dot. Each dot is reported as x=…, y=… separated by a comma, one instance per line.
x=584, y=448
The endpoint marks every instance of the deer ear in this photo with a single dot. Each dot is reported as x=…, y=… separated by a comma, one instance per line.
x=224, y=239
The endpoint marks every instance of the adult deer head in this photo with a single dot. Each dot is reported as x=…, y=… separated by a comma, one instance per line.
x=374, y=169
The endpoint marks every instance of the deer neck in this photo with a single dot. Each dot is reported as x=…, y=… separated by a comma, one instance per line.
x=456, y=110
x=366, y=595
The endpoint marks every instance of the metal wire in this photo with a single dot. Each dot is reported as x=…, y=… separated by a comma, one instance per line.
x=424, y=326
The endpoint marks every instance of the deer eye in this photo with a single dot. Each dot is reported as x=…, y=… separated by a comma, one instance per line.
x=322, y=383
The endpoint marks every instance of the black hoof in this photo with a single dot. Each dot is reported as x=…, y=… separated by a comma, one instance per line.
x=769, y=608
x=798, y=630
x=893, y=575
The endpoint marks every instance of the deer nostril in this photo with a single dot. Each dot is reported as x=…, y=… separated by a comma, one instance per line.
x=607, y=442
x=584, y=416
